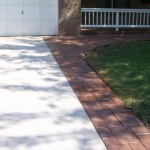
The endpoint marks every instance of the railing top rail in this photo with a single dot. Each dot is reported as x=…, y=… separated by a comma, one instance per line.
x=114, y=10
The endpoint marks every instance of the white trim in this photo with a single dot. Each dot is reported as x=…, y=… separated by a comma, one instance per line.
x=113, y=10
x=57, y=16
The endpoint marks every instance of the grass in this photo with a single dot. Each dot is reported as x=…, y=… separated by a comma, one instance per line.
x=125, y=67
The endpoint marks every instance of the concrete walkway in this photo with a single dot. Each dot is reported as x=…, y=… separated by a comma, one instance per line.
x=38, y=108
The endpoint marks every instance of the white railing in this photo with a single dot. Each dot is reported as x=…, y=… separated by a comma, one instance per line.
x=115, y=18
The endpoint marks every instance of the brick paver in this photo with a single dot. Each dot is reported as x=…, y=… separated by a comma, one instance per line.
x=116, y=125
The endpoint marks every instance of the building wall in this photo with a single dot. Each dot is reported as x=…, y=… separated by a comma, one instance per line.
x=95, y=3
x=70, y=13
x=87, y=3
x=69, y=17
x=138, y=4
x=103, y=3
x=117, y=4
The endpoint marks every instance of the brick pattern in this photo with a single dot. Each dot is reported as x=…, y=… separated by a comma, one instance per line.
x=115, y=124
x=69, y=17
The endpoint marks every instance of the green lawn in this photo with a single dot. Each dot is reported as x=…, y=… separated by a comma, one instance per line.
x=125, y=67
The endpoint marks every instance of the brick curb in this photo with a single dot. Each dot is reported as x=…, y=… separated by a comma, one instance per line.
x=115, y=124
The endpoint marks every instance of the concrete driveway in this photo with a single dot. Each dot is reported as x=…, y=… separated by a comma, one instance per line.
x=38, y=108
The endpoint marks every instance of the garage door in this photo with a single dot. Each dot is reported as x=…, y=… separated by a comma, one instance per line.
x=28, y=17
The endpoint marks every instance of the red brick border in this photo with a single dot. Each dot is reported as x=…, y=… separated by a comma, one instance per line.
x=115, y=124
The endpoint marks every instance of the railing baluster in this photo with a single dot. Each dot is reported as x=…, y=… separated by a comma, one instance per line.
x=117, y=21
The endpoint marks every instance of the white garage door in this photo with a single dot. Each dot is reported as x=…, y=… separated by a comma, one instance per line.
x=28, y=17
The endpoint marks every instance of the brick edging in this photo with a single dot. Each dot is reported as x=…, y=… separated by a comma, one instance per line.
x=114, y=122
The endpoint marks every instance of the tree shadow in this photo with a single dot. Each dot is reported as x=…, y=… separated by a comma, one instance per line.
x=41, y=111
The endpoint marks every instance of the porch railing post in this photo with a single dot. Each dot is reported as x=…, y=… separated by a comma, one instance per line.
x=117, y=21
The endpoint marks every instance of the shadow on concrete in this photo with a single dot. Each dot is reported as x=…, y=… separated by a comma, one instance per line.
x=41, y=109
